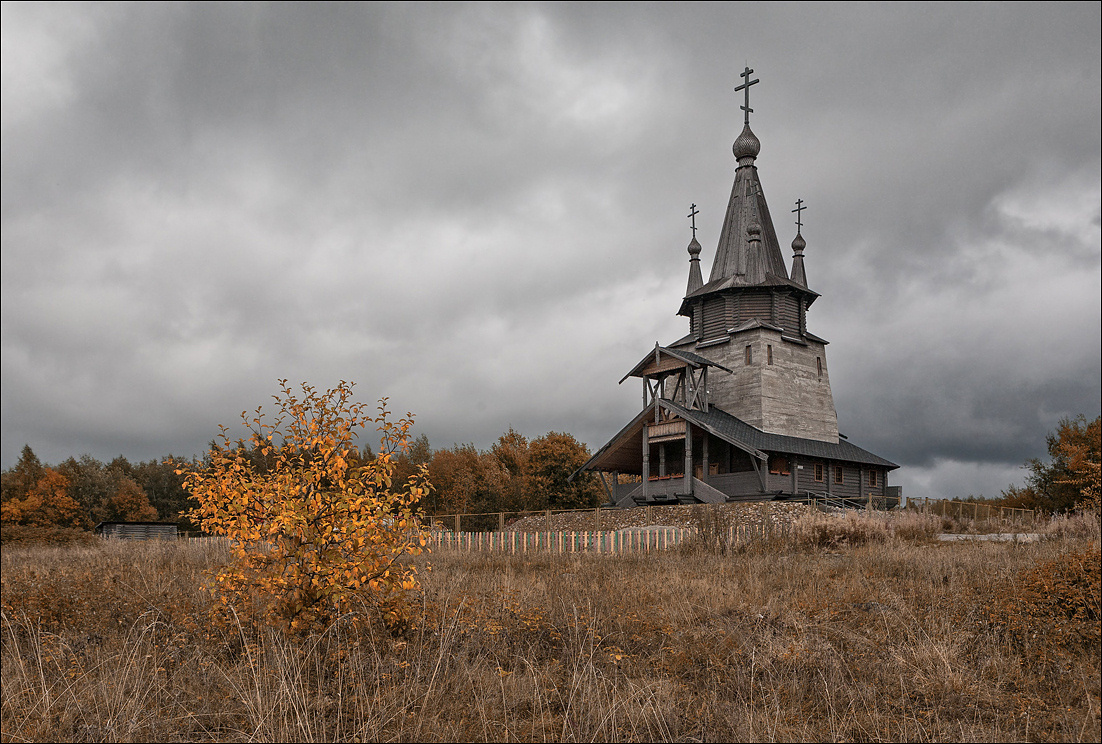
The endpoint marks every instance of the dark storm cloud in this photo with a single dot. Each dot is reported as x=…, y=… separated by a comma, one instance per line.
x=477, y=210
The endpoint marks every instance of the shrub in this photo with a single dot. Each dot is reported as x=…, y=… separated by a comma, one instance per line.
x=824, y=531
x=1057, y=606
x=315, y=532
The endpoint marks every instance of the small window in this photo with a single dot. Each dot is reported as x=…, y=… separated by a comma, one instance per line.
x=819, y=366
x=819, y=472
x=872, y=479
x=838, y=477
x=769, y=353
x=779, y=465
x=749, y=356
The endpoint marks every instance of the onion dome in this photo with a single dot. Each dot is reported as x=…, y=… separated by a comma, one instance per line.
x=798, y=273
x=696, y=281
x=746, y=147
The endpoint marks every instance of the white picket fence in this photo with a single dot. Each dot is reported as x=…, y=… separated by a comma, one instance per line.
x=608, y=542
x=621, y=541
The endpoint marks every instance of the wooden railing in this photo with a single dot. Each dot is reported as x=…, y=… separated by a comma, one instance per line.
x=974, y=510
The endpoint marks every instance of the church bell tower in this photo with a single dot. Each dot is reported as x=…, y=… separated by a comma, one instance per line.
x=751, y=316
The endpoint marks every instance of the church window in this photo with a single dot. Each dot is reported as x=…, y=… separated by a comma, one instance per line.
x=819, y=472
x=769, y=353
x=872, y=479
x=839, y=479
x=779, y=465
x=749, y=355
x=819, y=366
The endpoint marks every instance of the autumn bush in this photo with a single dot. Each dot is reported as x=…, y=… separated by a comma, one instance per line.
x=316, y=532
x=1057, y=604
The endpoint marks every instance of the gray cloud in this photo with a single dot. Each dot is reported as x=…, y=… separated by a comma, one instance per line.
x=477, y=211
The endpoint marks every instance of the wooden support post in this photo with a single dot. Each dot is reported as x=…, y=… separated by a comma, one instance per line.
x=597, y=519
x=501, y=521
x=457, y=524
x=646, y=461
x=795, y=475
x=704, y=459
x=688, y=486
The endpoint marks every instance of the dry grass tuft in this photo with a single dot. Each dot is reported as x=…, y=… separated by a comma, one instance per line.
x=1081, y=525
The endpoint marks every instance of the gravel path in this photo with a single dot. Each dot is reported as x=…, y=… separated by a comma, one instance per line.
x=727, y=515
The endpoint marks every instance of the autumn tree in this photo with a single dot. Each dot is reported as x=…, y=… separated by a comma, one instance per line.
x=1070, y=477
x=107, y=492
x=552, y=459
x=46, y=504
x=511, y=453
x=17, y=482
x=165, y=489
x=318, y=533
x=466, y=480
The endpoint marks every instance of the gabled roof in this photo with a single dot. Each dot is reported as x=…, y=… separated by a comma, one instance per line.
x=674, y=360
x=734, y=430
x=622, y=451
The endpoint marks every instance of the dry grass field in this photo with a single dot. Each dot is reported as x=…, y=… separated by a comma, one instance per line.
x=890, y=637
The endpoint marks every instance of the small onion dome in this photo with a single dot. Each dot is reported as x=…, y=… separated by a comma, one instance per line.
x=754, y=231
x=694, y=249
x=747, y=145
x=798, y=244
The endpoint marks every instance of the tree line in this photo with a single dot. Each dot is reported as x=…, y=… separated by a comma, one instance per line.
x=515, y=474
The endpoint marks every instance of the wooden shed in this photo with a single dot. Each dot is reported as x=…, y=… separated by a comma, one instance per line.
x=138, y=530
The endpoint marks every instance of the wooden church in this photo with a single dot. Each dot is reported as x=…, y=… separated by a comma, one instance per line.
x=740, y=408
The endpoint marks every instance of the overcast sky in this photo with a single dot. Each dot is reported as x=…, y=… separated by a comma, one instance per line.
x=479, y=211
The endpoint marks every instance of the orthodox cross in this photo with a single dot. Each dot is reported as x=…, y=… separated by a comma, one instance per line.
x=799, y=208
x=692, y=215
x=745, y=74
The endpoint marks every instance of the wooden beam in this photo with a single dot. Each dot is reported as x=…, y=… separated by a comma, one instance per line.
x=757, y=469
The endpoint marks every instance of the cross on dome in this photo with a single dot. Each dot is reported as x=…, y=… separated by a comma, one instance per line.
x=799, y=208
x=745, y=75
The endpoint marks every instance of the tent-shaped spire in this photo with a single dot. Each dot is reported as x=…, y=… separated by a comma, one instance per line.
x=746, y=255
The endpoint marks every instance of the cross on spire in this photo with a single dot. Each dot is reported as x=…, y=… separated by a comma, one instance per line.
x=692, y=215
x=799, y=208
x=745, y=75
